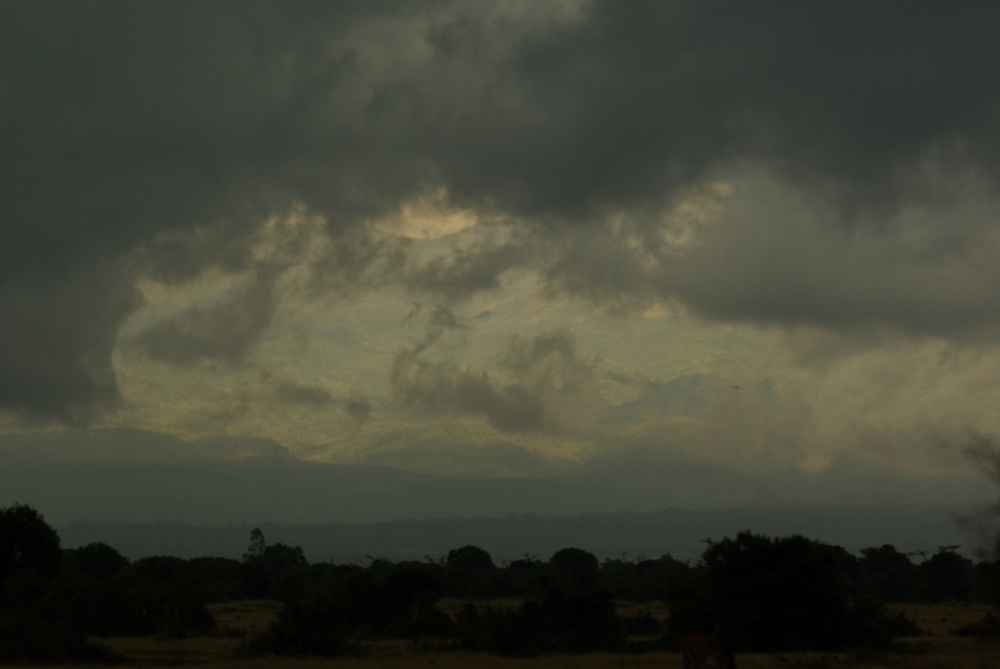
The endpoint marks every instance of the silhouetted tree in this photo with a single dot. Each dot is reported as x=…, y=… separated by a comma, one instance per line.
x=258, y=544
x=986, y=582
x=276, y=571
x=27, y=542
x=574, y=561
x=946, y=576
x=37, y=613
x=769, y=594
x=97, y=560
x=661, y=579
x=470, y=558
x=887, y=573
x=522, y=578
x=471, y=573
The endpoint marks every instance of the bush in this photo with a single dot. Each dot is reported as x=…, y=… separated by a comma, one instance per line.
x=181, y=617
x=302, y=629
x=31, y=637
x=986, y=627
x=560, y=623
x=574, y=561
x=97, y=560
x=357, y=606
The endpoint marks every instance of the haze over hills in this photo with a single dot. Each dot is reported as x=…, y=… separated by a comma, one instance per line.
x=153, y=494
x=631, y=536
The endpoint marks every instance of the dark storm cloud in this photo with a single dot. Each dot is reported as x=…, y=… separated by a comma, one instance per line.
x=155, y=137
x=849, y=93
x=771, y=259
x=863, y=138
x=166, y=128
x=56, y=338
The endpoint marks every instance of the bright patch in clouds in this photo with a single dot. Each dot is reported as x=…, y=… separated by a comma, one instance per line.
x=427, y=216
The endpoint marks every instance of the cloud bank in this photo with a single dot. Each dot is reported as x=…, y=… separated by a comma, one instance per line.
x=841, y=158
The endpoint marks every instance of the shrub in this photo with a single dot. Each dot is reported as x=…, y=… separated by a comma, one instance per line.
x=302, y=629
x=560, y=623
x=357, y=606
x=182, y=616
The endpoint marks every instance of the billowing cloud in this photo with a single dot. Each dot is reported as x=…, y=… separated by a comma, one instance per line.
x=539, y=384
x=56, y=341
x=772, y=257
x=222, y=330
x=440, y=321
x=315, y=397
x=154, y=141
x=289, y=392
x=358, y=407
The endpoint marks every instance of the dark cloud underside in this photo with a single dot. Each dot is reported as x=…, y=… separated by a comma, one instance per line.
x=153, y=138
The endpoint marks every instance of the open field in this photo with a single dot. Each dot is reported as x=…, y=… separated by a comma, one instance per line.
x=936, y=648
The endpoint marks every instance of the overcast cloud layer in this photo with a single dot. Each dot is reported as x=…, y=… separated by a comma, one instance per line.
x=191, y=189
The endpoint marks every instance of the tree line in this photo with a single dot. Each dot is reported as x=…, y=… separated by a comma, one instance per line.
x=759, y=593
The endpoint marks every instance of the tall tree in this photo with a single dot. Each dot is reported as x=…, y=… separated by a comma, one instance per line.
x=27, y=542
x=258, y=544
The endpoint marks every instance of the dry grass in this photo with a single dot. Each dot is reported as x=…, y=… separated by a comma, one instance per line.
x=235, y=622
x=942, y=619
x=935, y=648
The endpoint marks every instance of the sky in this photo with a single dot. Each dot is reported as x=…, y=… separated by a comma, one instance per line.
x=443, y=235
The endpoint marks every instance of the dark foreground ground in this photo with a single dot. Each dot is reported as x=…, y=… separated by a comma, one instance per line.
x=936, y=648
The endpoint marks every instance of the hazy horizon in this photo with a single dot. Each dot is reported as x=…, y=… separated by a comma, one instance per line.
x=680, y=254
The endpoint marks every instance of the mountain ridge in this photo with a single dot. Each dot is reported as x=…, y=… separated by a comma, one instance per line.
x=680, y=533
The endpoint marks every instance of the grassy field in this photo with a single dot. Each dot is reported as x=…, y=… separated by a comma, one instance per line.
x=936, y=648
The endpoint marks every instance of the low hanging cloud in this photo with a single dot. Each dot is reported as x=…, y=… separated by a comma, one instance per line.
x=440, y=321
x=358, y=408
x=154, y=140
x=56, y=341
x=807, y=398
x=539, y=384
x=300, y=394
x=224, y=330
x=771, y=258
x=315, y=397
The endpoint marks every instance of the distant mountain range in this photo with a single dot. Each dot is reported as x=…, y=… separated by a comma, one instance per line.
x=630, y=536
x=638, y=500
